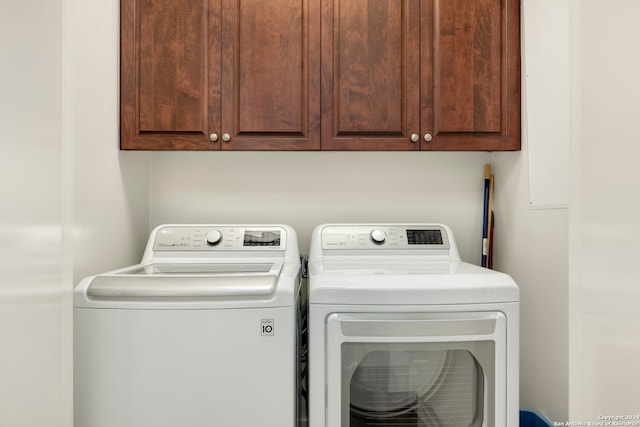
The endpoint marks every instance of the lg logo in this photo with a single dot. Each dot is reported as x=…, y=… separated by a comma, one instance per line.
x=267, y=329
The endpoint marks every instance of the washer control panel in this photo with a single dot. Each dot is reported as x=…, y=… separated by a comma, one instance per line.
x=219, y=238
x=384, y=237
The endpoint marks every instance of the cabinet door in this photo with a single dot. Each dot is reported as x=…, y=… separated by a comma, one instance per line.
x=470, y=66
x=270, y=75
x=169, y=74
x=370, y=74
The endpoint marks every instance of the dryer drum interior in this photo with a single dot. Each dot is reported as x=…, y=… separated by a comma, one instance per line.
x=421, y=388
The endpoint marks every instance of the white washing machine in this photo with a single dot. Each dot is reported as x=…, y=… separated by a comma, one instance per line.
x=402, y=332
x=203, y=332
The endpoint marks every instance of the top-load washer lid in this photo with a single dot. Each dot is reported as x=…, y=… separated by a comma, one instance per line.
x=188, y=280
x=203, y=266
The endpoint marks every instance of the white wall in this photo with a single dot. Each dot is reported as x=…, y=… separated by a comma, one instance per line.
x=532, y=243
x=531, y=246
x=307, y=189
x=110, y=187
x=35, y=267
x=72, y=204
x=605, y=232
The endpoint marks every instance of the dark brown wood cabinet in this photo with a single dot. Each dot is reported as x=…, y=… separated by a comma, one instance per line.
x=421, y=74
x=220, y=74
x=470, y=75
x=370, y=74
x=320, y=74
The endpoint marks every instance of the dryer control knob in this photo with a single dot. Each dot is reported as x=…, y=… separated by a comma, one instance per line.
x=378, y=236
x=213, y=237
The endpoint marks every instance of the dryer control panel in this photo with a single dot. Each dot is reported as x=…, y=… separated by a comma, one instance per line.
x=384, y=237
x=219, y=238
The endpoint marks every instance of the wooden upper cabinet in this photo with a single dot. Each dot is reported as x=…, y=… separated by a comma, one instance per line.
x=370, y=74
x=470, y=75
x=320, y=74
x=420, y=74
x=169, y=74
x=270, y=78
x=218, y=74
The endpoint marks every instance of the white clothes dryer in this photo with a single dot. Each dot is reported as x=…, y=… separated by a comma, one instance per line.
x=402, y=332
x=203, y=332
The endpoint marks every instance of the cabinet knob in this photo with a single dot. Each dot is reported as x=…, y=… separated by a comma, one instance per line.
x=414, y=137
x=428, y=137
x=213, y=137
x=226, y=137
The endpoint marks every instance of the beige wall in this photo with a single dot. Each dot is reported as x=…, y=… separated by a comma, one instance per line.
x=605, y=232
x=307, y=189
x=35, y=267
x=110, y=191
x=531, y=237
x=531, y=246
x=71, y=203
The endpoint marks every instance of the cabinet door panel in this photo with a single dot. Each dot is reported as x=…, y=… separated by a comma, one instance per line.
x=169, y=74
x=270, y=87
x=471, y=74
x=469, y=47
x=171, y=71
x=370, y=74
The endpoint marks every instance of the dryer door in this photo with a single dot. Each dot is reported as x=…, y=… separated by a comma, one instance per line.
x=416, y=369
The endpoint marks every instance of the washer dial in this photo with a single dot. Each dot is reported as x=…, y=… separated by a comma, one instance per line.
x=378, y=236
x=213, y=237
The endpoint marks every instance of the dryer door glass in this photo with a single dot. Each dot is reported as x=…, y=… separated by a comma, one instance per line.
x=416, y=369
x=416, y=384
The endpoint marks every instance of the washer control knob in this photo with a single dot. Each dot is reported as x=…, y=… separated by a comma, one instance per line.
x=213, y=237
x=378, y=236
